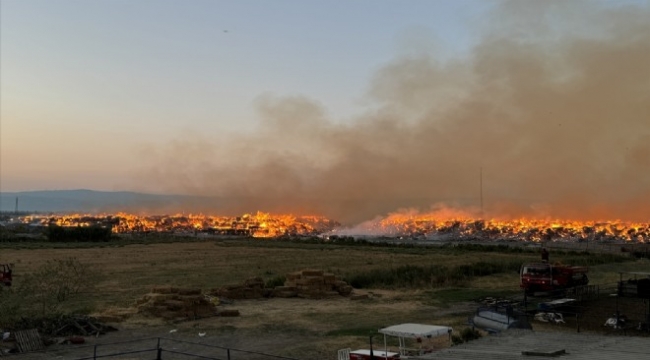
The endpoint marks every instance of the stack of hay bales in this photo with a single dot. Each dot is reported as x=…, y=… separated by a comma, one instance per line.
x=312, y=284
x=252, y=288
x=172, y=303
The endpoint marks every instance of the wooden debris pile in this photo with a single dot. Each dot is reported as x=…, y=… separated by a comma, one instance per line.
x=28, y=340
x=252, y=288
x=67, y=325
x=312, y=284
x=82, y=326
x=173, y=303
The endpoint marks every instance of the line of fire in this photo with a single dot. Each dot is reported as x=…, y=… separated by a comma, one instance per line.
x=265, y=225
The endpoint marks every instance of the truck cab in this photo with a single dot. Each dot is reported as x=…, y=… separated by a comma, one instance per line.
x=541, y=277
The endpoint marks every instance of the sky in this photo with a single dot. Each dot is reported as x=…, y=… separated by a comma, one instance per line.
x=348, y=108
x=86, y=84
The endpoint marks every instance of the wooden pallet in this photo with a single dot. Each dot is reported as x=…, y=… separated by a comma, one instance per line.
x=28, y=340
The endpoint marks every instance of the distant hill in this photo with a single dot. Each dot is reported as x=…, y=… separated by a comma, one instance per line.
x=92, y=201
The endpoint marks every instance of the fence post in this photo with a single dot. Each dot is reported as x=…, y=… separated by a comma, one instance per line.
x=158, y=346
x=95, y=352
x=159, y=356
x=228, y=353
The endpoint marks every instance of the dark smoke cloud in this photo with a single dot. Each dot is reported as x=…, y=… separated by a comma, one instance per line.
x=553, y=104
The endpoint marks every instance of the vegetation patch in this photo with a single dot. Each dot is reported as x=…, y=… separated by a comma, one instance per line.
x=453, y=295
x=414, y=276
x=360, y=331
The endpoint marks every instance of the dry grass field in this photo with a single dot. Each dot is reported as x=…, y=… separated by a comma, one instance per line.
x=292, y=327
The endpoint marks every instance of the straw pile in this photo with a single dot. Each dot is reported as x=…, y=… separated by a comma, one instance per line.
x=172, y=303
x=252, y=288
x=312, y=284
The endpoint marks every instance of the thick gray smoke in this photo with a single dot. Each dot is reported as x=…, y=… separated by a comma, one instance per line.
x=553, y=105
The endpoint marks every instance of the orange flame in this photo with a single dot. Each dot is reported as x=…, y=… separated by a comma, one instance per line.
x=454, y=224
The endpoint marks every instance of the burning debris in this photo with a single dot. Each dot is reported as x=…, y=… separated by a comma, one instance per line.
x=433, y=226
x=260, y=225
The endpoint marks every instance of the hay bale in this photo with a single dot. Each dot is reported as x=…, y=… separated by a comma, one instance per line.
x=293, y=276
x=254, y=282
x=311, y=280
x=228, y=313
x=157, y=299
x=186, y=291
x=204, y=310
x=329, y=279
x=140, y=301
x=332, y=294
x=312, y=272
x=162, y=290
x=345, y=290
x=192, y=299
x=175, y=305
x=252, y=293
x=339, y=283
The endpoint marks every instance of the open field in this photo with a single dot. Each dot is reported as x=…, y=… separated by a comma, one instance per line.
x=295, y=327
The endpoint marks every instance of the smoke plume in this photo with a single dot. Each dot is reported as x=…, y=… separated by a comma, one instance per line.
x=552, y=105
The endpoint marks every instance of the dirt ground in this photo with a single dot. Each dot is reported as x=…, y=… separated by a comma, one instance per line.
x=294, y=327
x=306, y=328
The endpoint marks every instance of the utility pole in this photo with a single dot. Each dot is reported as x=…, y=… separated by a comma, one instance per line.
x=16, y=208
x=480, y=182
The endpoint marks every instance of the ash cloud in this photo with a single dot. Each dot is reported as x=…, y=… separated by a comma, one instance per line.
x=553, y=104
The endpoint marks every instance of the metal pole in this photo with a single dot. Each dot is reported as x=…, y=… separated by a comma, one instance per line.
x=159, y=356
x=228, y=353
x=95, y=352
x=481, y=188
x=372, y=355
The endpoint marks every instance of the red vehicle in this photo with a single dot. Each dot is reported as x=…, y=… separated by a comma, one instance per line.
x=545, y=277
x=5, y=274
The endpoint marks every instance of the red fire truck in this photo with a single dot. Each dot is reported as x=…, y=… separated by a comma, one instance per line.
x=545, y=277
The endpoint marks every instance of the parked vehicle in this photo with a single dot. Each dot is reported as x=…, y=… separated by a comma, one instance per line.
x=545, y=277
x=494, y=319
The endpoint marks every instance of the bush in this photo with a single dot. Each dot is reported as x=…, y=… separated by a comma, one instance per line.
x=275, y=281
x=466, y=335
x=44, y=292
x=412, y=276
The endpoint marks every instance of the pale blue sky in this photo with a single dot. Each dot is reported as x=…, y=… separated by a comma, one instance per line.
x=84, y=84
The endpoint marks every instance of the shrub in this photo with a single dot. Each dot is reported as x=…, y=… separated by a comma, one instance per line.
x=410, y=276
x=466, y=335
x=275, y=281
x=44, y=292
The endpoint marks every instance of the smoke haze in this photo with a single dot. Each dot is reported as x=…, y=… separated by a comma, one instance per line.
x=553, y=104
